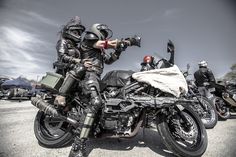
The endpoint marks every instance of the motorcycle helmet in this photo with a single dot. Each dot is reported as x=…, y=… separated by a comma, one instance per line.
x=203, y=63
x=148, y=59
x=73, y=29
x=101, y=31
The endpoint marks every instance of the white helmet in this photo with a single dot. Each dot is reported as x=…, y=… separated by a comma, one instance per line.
x=202, y=64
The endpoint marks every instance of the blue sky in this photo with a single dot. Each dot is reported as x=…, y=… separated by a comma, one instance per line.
x=200, y=29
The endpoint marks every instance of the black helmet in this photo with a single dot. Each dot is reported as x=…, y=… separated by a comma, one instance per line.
x=101, y=31
x=73, y=29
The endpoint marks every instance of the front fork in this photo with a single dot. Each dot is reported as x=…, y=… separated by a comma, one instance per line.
x=179, y=109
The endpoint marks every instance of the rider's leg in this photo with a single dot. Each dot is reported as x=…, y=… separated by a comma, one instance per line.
x=69, y=81
x=86, y=122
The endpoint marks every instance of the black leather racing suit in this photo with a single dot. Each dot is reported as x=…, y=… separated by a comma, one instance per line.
x=204, y=79
x=204, y=75
x=66, y=50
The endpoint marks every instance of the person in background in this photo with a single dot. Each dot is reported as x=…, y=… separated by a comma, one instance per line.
x=204, y=79
x=149, y=61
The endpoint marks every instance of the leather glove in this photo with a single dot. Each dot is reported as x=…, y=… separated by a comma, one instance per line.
x=121, y=46
x=87, y=63
x=206, y=84
x=134, y=41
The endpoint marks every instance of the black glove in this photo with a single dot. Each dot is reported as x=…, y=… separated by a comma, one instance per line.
x=134, y=41
x=121, y=46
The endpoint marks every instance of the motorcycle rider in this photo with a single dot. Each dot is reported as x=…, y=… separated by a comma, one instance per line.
x=66, y=47
x=67, y=50
x=89, y=69
x=204, y=78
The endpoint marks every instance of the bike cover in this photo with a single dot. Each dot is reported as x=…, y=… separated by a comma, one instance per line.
x=169, y=80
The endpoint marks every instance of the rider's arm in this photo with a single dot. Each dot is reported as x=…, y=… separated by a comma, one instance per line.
x=63, y=53
x=109, y=59
x=211, y=77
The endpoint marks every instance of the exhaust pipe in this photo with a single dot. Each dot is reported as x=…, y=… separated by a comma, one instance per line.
x=50, y=110
x=44, y=106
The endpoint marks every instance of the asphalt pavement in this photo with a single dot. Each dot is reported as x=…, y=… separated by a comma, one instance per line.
x=17, y=138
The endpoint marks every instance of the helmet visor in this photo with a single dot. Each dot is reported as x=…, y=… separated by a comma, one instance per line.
x=105, y=31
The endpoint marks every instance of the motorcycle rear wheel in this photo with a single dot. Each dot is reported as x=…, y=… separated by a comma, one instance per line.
x=193, y=140
x=51, y=132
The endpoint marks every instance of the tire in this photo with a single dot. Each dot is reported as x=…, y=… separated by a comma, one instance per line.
x=52, y=134
x=170, y=139
x=221, y=108
x=210, y=117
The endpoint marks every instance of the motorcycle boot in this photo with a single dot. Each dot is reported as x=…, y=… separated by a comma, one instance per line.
x=78, y=148
x=82, y=131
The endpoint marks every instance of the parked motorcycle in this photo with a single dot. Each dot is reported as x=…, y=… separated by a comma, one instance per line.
x=224, y=100
x=128, y=105
x=204, y=107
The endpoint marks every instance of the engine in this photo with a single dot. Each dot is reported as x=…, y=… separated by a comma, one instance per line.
x=120, y=124
x=119, y=116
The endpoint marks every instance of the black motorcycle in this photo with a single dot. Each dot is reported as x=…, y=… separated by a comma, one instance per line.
x=204, y=107
x=128, y=105
x=224, y=99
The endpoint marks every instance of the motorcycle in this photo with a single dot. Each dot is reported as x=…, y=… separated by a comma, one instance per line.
x=128, y=105
x=204, y=107
x=224, y=99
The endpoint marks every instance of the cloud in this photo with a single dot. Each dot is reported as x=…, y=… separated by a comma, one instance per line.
x=20, y=52
x=40, y=18
x=171, y=12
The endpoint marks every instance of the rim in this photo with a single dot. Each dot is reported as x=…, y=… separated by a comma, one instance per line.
x=187, y=137
x=53, y=128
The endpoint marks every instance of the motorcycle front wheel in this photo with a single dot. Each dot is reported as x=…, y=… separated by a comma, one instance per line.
x=183, y=139
x=210, y=116
x=52, y=132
